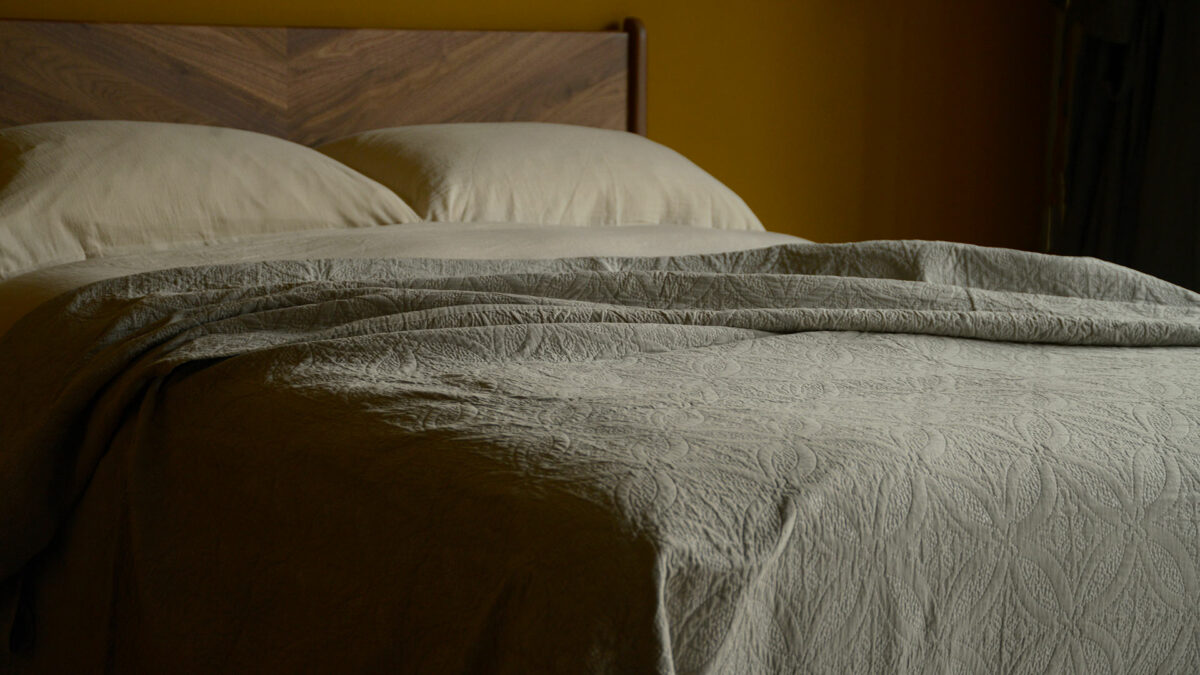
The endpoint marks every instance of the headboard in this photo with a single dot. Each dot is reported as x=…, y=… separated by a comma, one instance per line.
x=312, y=85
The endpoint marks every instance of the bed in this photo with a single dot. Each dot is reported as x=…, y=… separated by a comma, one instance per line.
x=487, y=382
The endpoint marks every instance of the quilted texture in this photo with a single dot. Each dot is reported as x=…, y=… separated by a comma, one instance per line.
x=899, y=457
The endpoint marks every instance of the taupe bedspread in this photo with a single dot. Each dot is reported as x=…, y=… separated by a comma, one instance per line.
x=890, y=457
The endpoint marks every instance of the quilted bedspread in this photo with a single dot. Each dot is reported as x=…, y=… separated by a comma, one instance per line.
x=890, y=457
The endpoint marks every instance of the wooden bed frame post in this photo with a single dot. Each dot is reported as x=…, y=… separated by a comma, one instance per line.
x=637, y=74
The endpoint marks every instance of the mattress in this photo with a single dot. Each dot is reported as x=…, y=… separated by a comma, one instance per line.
x=711, y=456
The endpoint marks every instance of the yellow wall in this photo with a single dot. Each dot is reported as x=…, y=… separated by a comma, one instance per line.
x=835, y=119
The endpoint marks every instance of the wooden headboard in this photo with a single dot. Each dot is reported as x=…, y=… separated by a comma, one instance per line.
x=312, y=85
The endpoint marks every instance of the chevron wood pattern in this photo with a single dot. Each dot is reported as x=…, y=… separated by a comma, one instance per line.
x=316, y=84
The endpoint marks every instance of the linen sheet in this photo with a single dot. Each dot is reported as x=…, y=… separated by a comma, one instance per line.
x=886, y=457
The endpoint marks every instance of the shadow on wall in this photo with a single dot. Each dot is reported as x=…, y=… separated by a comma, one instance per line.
x=957, y=102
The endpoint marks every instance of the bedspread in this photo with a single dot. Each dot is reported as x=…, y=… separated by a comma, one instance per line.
x=890, y=456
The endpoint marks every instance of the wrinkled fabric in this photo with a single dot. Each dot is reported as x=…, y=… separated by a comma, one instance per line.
x=891, y=456
x=479, y=241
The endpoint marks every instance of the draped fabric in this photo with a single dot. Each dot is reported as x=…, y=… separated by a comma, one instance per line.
x=883, y=457
x=1131, y=176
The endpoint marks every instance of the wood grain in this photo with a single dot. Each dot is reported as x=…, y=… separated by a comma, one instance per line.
x=636, y=30
x=316, y=84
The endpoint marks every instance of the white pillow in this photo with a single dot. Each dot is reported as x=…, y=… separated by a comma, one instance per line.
x=76, y=190
x=552, y=174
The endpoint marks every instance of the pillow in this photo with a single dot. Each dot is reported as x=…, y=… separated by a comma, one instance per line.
x=76, y=190
x=553, y=174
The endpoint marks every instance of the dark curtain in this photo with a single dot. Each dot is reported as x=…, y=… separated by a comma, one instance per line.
x=1129, y=140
